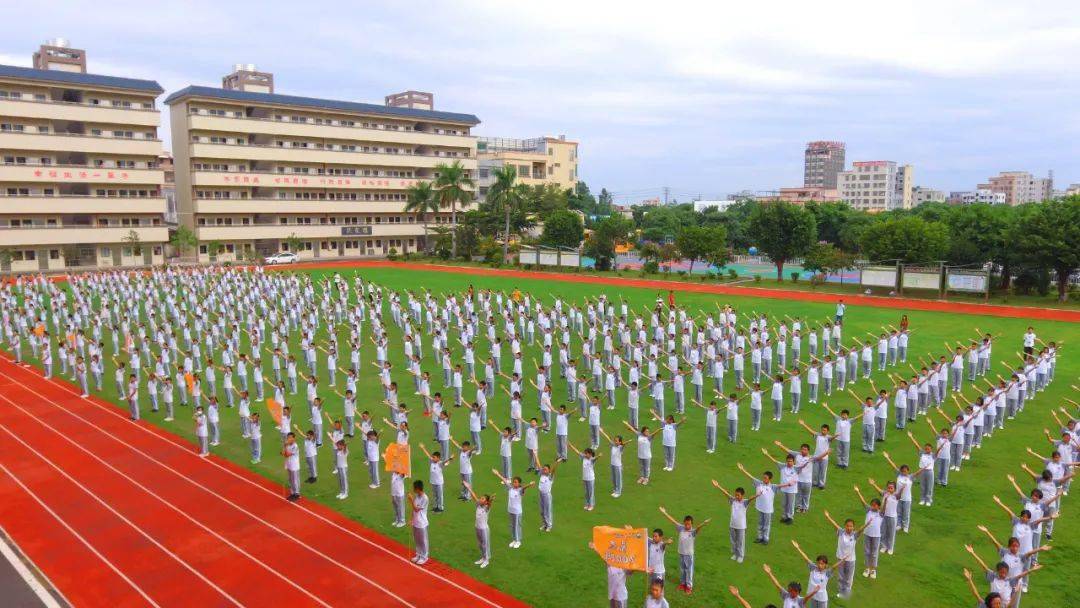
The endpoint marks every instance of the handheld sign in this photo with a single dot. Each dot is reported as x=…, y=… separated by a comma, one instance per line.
x=626, y=548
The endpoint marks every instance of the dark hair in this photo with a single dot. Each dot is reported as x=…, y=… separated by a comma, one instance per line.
x=418, y=485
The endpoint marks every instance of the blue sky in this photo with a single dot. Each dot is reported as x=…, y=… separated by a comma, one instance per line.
x=703, y=98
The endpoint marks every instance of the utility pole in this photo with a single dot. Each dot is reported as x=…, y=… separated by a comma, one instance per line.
x=667, y=192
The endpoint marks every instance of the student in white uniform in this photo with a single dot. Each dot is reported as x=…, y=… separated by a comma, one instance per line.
x=341, y=468
x=846, y=539
x=790, y=596
x=515, y=491
x=418, y=503
x=737, y=522
x=291, y=452
x=687, y=534
x=201, y=431
x=483, y=532
x=820, y=573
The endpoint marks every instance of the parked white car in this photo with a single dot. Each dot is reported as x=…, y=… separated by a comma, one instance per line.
x=284, y=257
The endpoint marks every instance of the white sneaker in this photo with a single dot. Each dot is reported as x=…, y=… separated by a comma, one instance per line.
x=873, y=574
x=484, y=564
x=421, y=562
x=890, y=551
x=865, y=573
x=168, y=420
x=479, y=561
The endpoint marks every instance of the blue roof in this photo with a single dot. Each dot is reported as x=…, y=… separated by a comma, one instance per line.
x=97, y=80
x=319, y=104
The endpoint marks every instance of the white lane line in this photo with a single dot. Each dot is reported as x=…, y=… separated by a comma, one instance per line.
x=8, y=548
x=227, y=501
x=74, y=533
x=171, y=506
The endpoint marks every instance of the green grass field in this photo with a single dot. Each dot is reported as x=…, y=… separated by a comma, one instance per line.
x=557, y=568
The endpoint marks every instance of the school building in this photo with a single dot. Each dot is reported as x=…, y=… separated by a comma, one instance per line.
x=80, y=181
x=256, y=170
x=538, y=161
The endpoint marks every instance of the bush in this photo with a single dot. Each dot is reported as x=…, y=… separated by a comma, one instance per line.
x=732, y=273
x=757, y=278
x=794, y=277
x=650, y=267
x=682, y=273
x=391, y=254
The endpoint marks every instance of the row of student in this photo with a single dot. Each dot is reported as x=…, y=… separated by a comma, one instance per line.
x=884, y=517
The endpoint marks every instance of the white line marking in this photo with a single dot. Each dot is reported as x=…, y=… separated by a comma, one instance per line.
x=215, y=495
x=78, y=536
x=153, y=495
x=7, y=549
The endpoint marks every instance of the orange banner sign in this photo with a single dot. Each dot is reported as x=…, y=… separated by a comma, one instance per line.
x=397, y=457
x=275, y=410
x=626, y=548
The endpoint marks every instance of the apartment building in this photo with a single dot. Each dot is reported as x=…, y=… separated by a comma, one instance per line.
x=981, y=196
x=256, y=170
x=922, y=194
x=80, y=183
x=877, y=185
x=1020, y=187
x=822, y=163
x=539, y=160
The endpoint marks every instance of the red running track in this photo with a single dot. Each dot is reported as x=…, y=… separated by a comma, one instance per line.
x=967, y=308
x=117, y=513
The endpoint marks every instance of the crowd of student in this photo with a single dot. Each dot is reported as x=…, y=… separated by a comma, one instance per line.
x=214, y=338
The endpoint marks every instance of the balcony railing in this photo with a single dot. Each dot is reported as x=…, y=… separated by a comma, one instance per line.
x=195, y=112
x=81, y=104
x=313, y=148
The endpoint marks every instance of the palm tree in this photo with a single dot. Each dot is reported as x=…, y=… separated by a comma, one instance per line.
x=453, y=185
x=505, y=195
x=421, y=202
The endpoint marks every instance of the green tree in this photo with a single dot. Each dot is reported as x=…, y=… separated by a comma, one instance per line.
x=1049, y=237
x=506, y=196
x=601, y=243
x=454, y=187
x=294, y=243
x=131, y=239
x=213, y=248
x=562, y=228
x=826, y=259
x=421, y=201
x=700, y=243
x=782, y=231
x=910, y=239
x=183, y=239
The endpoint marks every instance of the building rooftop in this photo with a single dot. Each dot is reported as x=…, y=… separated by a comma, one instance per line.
x=319, y=104
x=76, y=78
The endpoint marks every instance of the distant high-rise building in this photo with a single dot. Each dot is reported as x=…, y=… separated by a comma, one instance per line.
x=877, y=185
x=823, y=161
x=1020, y=187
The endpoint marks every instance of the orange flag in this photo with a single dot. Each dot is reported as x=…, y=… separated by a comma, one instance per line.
x=626, y=548
x=71, y=339
x=397, y=458
x=190, y=381
x=39, y=330
x=275, y=410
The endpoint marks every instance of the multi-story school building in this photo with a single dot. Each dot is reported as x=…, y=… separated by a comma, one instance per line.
x=256, y=170
x=80, y=184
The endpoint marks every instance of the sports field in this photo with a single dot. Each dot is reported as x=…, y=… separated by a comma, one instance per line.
x=557, y=568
